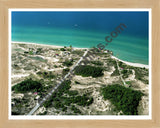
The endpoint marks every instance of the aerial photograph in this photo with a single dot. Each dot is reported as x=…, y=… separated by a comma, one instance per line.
x=78, y=63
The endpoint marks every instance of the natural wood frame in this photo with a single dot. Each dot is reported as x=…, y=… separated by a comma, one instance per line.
x=6, y=4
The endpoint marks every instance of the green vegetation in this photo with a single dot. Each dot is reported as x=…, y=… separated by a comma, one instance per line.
x=73, y=92
x=39, y=50
x=124, y=66
x=26, y=52
x=116, y=71
x=15, y=66
x=57, y=96
x=68, y=63
x=19, y=104
x=44, y=113
x=83, y=100
x=62, y=49
x=111, y=62
x=122, y=98
x=27, y=85
x=87, y=70
x=38, y=58
x=140, y=73
x=79, y=100
x=76, y=82
x=55, y=66
x=120, y=64
x=59, y=101
x=48, y=75
x=99, y=63
x=30, y=52
x=65, y=71
x=75, y=110
x=22, y=45
x=126, y=73
x=47, y=104
x=95, y=50
x=15, y=113
x=78, y=52
x=128, y=82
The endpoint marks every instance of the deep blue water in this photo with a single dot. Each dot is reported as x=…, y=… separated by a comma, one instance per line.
x=86, y=29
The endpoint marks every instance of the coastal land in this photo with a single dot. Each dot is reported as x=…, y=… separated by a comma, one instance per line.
x=105, y=85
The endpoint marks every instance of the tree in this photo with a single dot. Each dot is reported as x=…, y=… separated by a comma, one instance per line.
x=87, y=70
x=122, y=98
x=27, y=85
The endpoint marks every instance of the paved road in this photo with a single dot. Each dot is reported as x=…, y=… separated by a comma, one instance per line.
x=50, y=93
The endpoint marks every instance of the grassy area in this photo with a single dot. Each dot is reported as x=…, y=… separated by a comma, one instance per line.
x=128, y=82
x=77, y=52
x=30, y=52
x=122, y=98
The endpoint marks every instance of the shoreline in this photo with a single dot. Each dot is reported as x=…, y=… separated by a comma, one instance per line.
x=55, y=46
x=49, y=45
x=131, y=63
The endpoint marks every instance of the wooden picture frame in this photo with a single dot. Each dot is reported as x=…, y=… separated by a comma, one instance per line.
x=154, y=5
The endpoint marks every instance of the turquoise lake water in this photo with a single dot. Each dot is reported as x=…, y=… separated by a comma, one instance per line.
x=130, y=45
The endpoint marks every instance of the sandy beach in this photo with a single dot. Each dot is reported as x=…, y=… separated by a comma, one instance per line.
x=132, y=64
x=54, y=46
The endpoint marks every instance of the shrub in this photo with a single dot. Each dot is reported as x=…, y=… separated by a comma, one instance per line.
x=73, y=92
x=49, y=75
x=77, y=82
x=65, y=71
x=126, y=73
x=97, y=63
x=62, y=49
x=116, y=71
x=30, y=52
x=76, y=110
x=68, y=63
x=55, y=66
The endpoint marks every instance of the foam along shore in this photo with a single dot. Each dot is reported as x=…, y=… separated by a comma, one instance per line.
x=132, y=64
x=48, y=45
